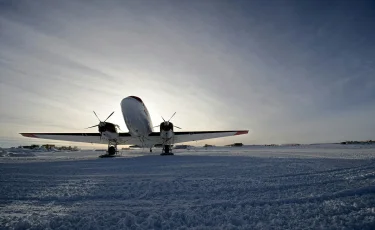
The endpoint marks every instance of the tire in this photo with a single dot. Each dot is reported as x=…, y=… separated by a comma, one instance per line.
x=111, y=150
x=166, y=149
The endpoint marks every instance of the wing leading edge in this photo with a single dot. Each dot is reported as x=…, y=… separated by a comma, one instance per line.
x=203, y=135
x=76, y=137
x=127, y=139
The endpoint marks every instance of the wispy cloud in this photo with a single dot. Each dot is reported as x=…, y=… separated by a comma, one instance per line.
x=289, y=71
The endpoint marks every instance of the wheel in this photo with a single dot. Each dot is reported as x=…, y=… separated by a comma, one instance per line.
x=166, y=149
x=111, y=150
x=150, y=150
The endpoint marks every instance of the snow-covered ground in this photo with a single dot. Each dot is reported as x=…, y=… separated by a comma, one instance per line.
x=303, y=187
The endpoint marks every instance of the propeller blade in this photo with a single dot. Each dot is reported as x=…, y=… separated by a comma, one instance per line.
x=96, y=115
x=156, y=126
x=176, y=127
x=172, y=116
x=109, y=116
x=92, y=127
x=162, y=118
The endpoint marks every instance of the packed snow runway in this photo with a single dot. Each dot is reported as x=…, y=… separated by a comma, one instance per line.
x=304, y=187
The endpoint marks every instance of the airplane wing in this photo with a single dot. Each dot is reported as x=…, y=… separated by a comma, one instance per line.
x=180, y=137
x=79, y=137
x=127, y=139
x=203, y=135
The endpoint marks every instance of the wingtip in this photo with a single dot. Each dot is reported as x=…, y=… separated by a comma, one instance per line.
x=28, y=134
x=242, y=132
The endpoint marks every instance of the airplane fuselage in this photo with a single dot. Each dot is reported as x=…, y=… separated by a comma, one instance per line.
x=136, y=117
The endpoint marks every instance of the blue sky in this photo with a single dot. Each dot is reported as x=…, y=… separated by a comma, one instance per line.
x=289, y=71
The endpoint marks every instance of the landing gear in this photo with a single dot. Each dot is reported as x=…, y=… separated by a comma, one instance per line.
x=150, y=150
x=166, y=151
x=112, y=150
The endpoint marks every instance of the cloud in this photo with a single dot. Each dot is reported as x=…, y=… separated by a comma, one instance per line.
x=288, y=72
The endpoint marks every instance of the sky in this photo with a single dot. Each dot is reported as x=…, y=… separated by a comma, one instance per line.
x=288, y=71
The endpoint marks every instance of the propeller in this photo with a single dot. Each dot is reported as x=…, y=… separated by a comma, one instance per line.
x=172, y=116
x=108, y=116
x=101, y=123
x=96, y=115
x=91, y=127
x=166, y=122
x=118, y=127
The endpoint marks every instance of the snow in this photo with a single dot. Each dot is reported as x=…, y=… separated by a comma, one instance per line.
x=253, y=187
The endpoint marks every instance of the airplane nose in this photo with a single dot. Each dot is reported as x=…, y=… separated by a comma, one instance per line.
x=123, y=101
x=130, y=99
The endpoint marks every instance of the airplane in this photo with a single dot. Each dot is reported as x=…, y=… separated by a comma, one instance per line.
x=141, y=133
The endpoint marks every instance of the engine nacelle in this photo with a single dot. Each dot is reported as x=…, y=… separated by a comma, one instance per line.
x=108, y=131
x=106, y=126
x=166, y=132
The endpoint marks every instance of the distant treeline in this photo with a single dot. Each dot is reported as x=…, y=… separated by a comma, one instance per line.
x=50, y=147
x=235, y=145
x=357, y=142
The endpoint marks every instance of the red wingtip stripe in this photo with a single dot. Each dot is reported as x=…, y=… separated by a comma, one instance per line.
x=242, y=132
x=28, y=134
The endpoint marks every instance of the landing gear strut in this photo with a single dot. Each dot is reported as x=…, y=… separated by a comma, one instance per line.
x=166, y=151
x=112, y=149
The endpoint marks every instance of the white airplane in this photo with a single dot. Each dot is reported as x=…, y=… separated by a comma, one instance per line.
x=138, y=121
